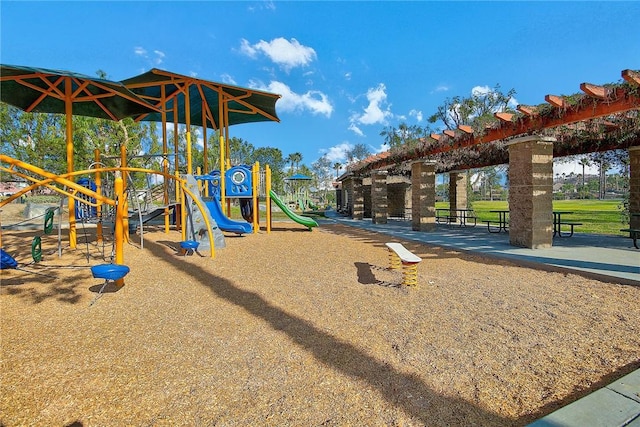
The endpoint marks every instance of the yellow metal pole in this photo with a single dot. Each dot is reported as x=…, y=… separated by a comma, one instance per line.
x=119, y=225
x=267, y=188
x=68, y=109
x=125, y=202
x=98, y=180
x=205, y=162
x=222, y=170
x=175, y=138
x=183, y=208
x=165, y=159
x=187, y=113
x=254, y=191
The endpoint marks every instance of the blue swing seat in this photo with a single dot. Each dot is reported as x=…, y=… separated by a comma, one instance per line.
x=189, y=245
x=109, y=271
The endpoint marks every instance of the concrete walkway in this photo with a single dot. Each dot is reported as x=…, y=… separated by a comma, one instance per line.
x=607, y=258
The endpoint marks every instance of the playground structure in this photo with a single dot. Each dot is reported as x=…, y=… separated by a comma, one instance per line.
x=158, y=96
x=200, y=218
x=93, y=201
x=297, y=195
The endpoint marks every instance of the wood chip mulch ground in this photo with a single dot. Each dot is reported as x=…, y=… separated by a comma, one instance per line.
x=299, y=328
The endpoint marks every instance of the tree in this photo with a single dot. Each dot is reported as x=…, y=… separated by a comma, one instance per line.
x=585, y=161
x=337, y=166
x=296, y=158
x=358, y=152
x=476, y=110
x=322, y=177
x=272, y=157
x=403, y=135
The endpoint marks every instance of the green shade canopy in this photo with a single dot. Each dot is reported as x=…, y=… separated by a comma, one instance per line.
x=215, y=105
x=47, y=91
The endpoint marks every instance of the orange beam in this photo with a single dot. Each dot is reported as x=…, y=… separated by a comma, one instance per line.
x=620, y=101
x=527, y=110
x=595, y=91
x=504, y=117
x=631, y=76
x=466, y=129
x=556, y=101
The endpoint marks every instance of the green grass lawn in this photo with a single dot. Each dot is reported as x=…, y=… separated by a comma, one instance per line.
x=596, y=216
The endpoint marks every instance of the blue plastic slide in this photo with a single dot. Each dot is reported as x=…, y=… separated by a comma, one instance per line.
x=226, y=224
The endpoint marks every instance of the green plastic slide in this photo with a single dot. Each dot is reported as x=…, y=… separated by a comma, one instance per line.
x=304, y=220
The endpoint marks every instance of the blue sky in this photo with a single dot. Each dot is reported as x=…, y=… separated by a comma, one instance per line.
x=345, y=69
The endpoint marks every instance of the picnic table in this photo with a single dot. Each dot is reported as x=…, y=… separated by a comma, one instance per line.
x=502, y=221
x=558, y=223
x=462, y=216
x=634, y=233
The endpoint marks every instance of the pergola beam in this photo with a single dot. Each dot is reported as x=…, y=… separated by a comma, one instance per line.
x=618, y=100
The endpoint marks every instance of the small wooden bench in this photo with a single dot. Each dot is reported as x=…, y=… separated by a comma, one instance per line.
x=570, y=224
x=633, y=233
x=401, y=256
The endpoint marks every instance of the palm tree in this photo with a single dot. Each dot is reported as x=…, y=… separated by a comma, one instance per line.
x=297, y=158
x=337, y=167
x=291, y=159
x=584, y=162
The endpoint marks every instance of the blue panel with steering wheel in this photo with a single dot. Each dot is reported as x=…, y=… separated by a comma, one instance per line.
x=238, y=182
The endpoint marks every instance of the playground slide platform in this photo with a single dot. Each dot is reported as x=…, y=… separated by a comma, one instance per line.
x=304, y=220
x=134, y=218
x=224, y=223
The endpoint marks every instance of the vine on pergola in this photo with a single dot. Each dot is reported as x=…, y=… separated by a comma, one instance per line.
x=601, y=118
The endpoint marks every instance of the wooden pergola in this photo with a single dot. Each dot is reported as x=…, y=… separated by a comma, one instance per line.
x=601, y=118
x=600, y=107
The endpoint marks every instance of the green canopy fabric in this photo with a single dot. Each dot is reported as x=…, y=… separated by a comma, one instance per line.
x=46, y=91
x=240, y=105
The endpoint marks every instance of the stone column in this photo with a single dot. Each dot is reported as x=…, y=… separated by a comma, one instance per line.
x=423, y=196
x=357, y=199
x=379, y=202
x=531, y=192
x=457, y=191
x=634, y=186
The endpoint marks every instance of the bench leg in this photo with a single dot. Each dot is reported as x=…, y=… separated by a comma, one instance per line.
x=410, y=273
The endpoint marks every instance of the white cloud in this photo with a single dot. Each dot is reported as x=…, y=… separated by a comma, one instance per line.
x=226, y=78
x=159, y=57
x=441, y=88
x=337, y=153
x=287, y=54
x=312, y=100
x=417, y=114
x=377, y=112
x=355, y=129
x=156, y=58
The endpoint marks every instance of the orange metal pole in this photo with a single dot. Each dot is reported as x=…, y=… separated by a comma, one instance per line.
x=68, y=109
